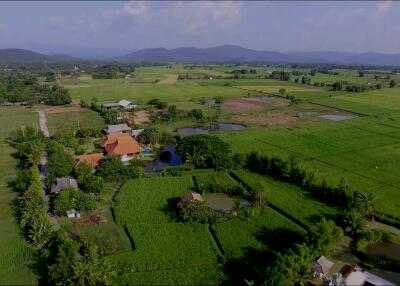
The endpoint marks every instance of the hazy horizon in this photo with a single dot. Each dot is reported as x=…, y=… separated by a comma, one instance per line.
x=107, y=29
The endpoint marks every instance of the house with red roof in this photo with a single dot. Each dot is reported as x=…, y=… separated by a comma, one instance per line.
x=123, y=145
x=92, y=159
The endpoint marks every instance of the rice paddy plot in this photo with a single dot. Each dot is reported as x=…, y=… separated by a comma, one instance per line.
x=168, y=246
x=150, y=200
x=290, y=199
x=241, y=239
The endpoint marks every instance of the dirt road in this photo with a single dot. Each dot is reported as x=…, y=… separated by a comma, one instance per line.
x=43, y=123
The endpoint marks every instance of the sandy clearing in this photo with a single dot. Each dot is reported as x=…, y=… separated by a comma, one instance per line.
x=142, y=117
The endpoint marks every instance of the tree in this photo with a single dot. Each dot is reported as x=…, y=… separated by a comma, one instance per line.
x=325, y=236
x=282, y=91
x=360, y=73
x=354, y=222
x=313, y=72
x=364, y=202
x=57, y=95
x=111, y=168
x=150, y=136
x=379, y=86
x=290, y=267
x=392, y=83
x=61, y=271
x=205, y=152
x=337, y=86
x=196, y=114
x=196, y=212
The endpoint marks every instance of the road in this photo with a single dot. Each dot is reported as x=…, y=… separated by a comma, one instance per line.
x=43, y=123
x=43, y=161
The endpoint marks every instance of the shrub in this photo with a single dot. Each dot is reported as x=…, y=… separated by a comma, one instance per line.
x=196, y=212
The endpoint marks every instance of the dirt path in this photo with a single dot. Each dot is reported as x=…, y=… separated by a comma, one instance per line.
x=43, y=123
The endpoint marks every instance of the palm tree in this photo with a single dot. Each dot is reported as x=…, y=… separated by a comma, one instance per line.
x=365, y=202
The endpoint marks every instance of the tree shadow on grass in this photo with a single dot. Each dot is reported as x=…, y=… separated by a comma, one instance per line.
x=278, y=239
x=249, y=267
x=171, y=208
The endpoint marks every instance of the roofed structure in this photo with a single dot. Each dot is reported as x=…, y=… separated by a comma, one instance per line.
x=117, y=128
x=121, y=144
x=193, y=196
x=92, y=159
x=321, y=266
x=62, y=183
x=126, y=104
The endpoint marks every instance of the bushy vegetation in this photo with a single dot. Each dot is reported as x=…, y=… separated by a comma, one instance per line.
x=70, y=199
x=112, y=169
x=32, y=214
x=205, y=152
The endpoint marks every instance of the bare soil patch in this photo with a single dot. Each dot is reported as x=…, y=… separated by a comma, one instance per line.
x=74, y=106
x=245, y=104
x=142, y=117
x=93, y=220
x=272, y=119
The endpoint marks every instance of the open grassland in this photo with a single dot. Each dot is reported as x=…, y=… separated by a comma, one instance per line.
x=66, y=122
x=166, y=246
x=16, y=257
x=110, y=237
x=148, y=200
x=243, y=238
x=288, y=198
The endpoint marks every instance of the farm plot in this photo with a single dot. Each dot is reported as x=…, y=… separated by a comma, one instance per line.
x=205, y=275
x=246, y=104
x=288, y=198
x=240, y=239
x=214, y=178
x=16, y=257
x=150, y=199
x=166, y=246
x=64, y=122
x=110, y=238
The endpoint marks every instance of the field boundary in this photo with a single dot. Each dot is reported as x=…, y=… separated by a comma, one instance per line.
x=272, y=206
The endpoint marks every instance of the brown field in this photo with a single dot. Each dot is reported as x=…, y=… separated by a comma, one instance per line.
x=74, y=106
x=142, y=117
x=274, y=119
x=244, y=104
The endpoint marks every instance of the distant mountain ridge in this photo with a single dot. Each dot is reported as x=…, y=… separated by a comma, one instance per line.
x=219, y=54
x=234, y=54
x=26, y=56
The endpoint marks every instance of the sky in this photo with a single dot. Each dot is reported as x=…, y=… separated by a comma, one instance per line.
x=106, y=29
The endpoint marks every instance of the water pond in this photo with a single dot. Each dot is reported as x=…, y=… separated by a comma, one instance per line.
x=385, y=250
x=222, y=202
x=213, y=128
x=338, y=117
x=168, y=158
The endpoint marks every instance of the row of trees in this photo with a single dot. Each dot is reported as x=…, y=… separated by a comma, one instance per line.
x=112, y=71
x=24, y=87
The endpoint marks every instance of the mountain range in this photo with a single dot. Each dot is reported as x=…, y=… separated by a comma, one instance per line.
x=219, y=54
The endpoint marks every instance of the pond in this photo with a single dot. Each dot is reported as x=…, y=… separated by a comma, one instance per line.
x=385, y=250
x=168, y=158
x=222, y=202
x=212, y=128
x=338, y=117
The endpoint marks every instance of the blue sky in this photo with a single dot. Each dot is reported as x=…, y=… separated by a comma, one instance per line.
x=112, y=28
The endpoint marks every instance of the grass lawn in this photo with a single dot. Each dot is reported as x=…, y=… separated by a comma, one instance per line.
x=16, y=257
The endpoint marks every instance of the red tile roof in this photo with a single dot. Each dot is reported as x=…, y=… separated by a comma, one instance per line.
x=121, y=144
x=93, y=159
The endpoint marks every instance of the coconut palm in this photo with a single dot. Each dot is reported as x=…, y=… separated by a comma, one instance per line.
x=365, y=203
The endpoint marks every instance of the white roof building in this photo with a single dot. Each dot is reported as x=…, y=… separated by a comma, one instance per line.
x=321, y=266
x=126, y=104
